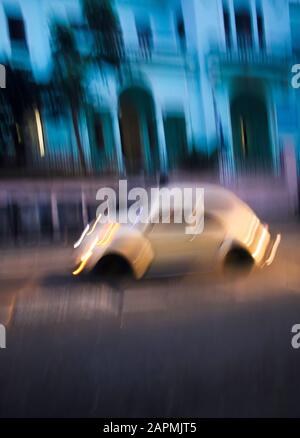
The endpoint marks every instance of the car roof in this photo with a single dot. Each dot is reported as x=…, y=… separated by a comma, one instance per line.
x=215, y=197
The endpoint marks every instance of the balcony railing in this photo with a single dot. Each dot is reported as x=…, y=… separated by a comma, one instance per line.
x=112, y=47
x=251, y=57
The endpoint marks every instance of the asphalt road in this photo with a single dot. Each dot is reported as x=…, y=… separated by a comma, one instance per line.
x=195, y=346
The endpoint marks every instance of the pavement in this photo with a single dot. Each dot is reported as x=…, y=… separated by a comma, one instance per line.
x=189, y=346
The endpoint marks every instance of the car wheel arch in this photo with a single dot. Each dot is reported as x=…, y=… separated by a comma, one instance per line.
x=116, y=258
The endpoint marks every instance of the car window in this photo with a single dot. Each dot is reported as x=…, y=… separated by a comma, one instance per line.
x=172, y=225
x=211, y=222
x=169, y=228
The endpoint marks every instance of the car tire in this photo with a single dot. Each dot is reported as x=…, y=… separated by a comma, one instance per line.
x=114, y=267
x=237, y=263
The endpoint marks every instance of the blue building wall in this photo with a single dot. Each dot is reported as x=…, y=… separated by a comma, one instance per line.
x=195, y=80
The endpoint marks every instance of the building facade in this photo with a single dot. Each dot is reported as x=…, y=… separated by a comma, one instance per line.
x=201, y=80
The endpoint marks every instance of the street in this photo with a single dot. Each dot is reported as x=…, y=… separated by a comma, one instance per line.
x=192, y=346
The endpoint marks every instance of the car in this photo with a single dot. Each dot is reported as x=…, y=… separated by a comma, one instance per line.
x=233, y=240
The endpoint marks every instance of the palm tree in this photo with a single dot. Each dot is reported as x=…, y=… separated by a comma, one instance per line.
x=69, y=64
x=68, y=75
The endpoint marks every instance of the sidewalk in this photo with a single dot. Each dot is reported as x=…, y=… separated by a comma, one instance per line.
x=27, y=262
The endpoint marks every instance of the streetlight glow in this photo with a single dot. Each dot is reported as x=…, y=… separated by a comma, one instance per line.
x=39, y=132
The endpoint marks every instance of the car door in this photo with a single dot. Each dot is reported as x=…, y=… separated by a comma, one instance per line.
x=205, y=246
x=171, y=247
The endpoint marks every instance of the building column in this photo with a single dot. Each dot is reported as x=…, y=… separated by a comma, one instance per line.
x=55, y=216
x=84, y=209
x=227, y=169
x=189, y=129
x=83, y=123
x=273, y=133
x=161, y=138
x=253, y=12
x=232, y=23
x=117, y=139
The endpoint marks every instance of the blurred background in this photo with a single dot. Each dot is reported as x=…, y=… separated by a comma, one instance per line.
x=191, y=90
x=98, y=89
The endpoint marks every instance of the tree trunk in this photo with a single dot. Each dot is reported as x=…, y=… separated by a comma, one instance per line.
x=78, y=139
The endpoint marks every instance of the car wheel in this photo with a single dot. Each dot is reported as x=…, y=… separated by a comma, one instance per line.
x=113, y=267
x=238, y=262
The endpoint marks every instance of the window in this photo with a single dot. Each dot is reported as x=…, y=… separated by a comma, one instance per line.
x=260, y=29
x=295, y=27
x=82, y=35
x=243, y=29
x=145, y=38
x=227, y=27
x=170, y=221
x=16, y=30
x=211, y=222
x=180, y=29
x=176, y=139
x=99, y=138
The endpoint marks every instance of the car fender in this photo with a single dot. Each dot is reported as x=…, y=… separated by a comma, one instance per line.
x=136, y=249
x=227, y=244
